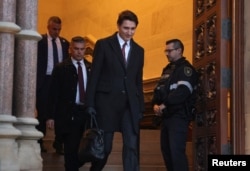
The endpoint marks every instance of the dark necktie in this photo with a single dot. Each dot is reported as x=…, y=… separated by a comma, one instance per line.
x=123, y=52
x=81, y=82
x=55, y=52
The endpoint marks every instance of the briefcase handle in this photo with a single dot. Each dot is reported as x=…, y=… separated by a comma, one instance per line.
x=93, y=122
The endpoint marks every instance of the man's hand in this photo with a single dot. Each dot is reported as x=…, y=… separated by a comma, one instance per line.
x=91, y=111
x=158, y=109
x=50, y=123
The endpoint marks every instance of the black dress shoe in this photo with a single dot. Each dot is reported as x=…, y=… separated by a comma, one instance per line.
x=60, y=152
x=81, y=164
x=58, y=147
x=43, y=150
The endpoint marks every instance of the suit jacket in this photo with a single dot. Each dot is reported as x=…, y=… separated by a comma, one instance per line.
x=110, y=77
x=63, y=94
x=42, y=58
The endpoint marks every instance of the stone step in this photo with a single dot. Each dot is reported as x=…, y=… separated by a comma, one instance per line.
x=120, y=168
x=150, y=154
x=115, y=158
x=148, y=138
x=54, y=162
x=108, y=168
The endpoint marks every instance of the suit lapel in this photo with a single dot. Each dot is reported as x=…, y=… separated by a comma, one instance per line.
x=45, y=48
x=131, y=54
x=63, y=44
x=117, y=49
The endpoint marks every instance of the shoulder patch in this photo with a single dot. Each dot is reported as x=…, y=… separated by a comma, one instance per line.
x=188, y=71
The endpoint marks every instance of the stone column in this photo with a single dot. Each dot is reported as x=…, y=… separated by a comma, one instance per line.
x=8, y=133
x=25, y=86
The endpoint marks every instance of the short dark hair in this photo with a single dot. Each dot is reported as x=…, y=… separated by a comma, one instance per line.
x=127, y=15
x=77, y=39
x=177, y=44
x=55, y=19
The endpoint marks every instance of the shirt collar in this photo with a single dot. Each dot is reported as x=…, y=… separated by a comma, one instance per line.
x=50, y=38
x=75, y=61
x=121, y=41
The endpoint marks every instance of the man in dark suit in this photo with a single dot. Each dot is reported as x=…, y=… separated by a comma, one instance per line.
x=66, y=105
x=45, y=64
x=115, y=92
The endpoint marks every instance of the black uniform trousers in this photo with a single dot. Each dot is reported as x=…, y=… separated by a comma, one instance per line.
x=130, y=151
x=72, y=139
x=173, y=143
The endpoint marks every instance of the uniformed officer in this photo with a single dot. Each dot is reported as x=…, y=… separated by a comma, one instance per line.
x=172, y=100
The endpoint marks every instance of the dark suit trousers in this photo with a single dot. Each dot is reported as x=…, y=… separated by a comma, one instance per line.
x=41, y=105
x=72, y=140
x=130, y=150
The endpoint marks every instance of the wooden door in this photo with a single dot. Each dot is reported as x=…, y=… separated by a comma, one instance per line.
x=211, y=57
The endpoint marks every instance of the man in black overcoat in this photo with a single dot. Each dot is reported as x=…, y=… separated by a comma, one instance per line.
x=45, y=65
x=115, y=92
x=66, y=107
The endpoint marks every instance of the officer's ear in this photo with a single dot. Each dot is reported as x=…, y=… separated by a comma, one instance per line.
x=179, y=50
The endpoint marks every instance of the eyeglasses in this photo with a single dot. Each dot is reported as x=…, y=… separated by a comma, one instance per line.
x=169, y=50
